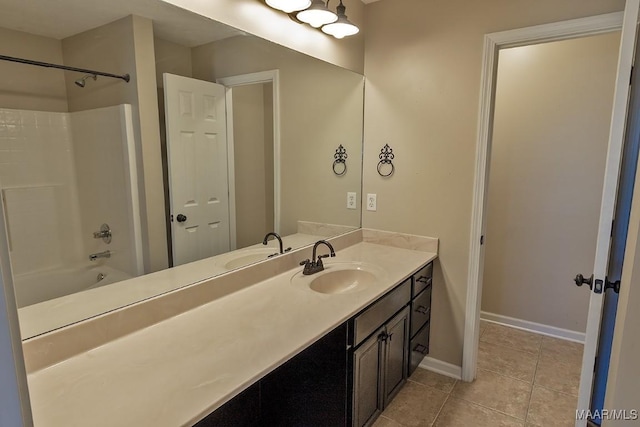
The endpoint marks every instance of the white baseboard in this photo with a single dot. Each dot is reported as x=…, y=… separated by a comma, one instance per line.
x=538, y=328
x=440, y=367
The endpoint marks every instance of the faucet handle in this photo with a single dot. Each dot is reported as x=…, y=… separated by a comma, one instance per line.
x=288, y=249
x=305, y=262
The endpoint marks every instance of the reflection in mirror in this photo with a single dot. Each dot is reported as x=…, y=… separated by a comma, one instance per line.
x=76, y=156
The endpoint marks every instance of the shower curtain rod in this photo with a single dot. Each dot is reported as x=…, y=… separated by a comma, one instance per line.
x=124, y=77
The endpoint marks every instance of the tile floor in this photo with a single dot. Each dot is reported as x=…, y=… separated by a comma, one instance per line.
x=524, y=379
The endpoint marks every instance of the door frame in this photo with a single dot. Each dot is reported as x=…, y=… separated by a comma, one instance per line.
x=273, y=77
x=493, y=42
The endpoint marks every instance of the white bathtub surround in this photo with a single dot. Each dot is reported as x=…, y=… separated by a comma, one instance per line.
x=204, y=363
x=105, y=160
x=50, y=215
x=38, y=185
x=33, y=288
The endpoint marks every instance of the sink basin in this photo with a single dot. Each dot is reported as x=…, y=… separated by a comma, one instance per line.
x=340, y=278
x=339, y=281
x=246, y=257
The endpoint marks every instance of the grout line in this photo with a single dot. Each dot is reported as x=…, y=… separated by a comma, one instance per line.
x=489, y=408
x=556, y=391
x=432, y=387
x=533, y=384
x=391, y=419
x=506, y=376
x=511, y=347
x=440, y=410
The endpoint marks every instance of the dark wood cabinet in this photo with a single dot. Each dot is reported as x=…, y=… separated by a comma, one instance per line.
x=420, y=316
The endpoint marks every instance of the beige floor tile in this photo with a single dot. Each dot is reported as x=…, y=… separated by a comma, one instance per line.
x=510, y=337
x=457, y=413
x=550, y=408
x=494, y=391
x=383, y=421
x=507, y=361
x=561, y=349
x=557, y=374
x=416, y=405
x=425, y=377
x=483, y=326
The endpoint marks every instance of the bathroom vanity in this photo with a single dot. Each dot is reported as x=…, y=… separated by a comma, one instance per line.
x=350, y=375
x=279, y=348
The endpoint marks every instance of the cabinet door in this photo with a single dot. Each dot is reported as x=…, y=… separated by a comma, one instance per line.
x=397, y=356
x=367, y=371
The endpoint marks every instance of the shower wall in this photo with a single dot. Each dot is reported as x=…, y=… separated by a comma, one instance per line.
x=62, y=175
x=38, y=189
x=106, y=184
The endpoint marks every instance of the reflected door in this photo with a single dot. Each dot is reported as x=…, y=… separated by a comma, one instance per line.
x=198, y=174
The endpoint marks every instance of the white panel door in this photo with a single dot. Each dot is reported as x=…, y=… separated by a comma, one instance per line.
x=198, y=173
x=616, y=138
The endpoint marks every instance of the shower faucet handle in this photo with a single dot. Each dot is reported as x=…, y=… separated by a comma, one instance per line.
x=104, y=233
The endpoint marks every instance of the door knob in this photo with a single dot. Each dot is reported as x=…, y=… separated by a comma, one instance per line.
x=181, y=218
x=580, y=280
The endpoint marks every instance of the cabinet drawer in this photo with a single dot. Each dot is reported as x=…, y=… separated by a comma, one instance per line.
x=420, y=310
x=418, y=348
x=422, y=279
x=373, y=317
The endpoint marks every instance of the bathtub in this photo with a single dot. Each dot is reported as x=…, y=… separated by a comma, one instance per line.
x=32, y=288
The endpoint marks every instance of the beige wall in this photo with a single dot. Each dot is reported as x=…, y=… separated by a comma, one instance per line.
x=423, y=63
x=548, y=152
x=126, y=46
x=320, y=107
x=256, y=18
x=251, y=146
x=171, y=58
x=26, y=87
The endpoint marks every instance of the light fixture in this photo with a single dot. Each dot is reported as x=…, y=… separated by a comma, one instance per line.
x=342, y=27
x=317, y=14
x=289, y=6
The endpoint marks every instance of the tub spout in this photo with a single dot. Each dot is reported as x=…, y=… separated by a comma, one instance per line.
x=105, y=254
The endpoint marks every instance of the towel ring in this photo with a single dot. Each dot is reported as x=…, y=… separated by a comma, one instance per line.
x=386, y=158
x=340, y=158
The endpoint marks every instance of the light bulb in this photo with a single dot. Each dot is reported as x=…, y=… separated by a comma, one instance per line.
x=317, y=15
x=289, y=6
x=342, y=27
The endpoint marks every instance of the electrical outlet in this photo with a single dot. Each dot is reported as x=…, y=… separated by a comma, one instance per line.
x=372, y=202
x=351, y=200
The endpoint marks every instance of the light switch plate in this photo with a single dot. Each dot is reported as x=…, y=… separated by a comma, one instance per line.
x=372, y=202
x=351, y=200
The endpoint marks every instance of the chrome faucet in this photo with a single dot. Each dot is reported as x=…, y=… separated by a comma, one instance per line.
x=277, y=236
x=105, y=254
x=314, y=266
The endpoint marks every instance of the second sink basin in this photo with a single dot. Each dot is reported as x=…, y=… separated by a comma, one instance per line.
x=340, y=278
x=245, y=257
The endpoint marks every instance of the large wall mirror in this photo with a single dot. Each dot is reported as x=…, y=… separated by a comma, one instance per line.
x=219, y=139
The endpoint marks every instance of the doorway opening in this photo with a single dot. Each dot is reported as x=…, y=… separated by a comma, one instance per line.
x=529, y=36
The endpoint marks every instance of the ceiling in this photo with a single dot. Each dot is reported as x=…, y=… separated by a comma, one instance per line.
x=60, y=19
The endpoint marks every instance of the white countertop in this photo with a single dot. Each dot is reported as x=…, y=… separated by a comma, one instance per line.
x=177, y=371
